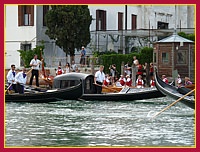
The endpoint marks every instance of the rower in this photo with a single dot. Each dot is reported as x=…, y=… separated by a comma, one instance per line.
x=139, y=82
x=11, y=79
x=128, y=81
x=98, y=79
x=164, y=78
x=59, y=71
x=20, y=79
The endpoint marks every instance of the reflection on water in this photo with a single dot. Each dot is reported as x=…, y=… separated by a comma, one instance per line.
x=84, y=123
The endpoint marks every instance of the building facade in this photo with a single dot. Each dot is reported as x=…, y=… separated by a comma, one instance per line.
x=118, y=28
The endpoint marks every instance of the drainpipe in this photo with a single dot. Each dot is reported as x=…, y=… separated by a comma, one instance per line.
x=173, y=58
x=189, y=62
x=125, y=17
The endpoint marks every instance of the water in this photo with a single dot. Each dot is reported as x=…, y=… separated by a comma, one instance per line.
x=93, y=123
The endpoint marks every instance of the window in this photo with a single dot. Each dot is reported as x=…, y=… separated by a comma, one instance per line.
x=165, y=57
x=134, y=22
x=45, y=10
x=181, y=57
x=120, y=21
x=68, y=83
x=100, y=20
x=162, y=25
x=24, y=47
x=25, y=15
x=154, y=57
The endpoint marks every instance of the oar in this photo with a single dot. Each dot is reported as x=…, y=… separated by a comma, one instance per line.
x=106, y=87
x=172, y=104
x=11, y=83
x=29, y=71
x=8, y=87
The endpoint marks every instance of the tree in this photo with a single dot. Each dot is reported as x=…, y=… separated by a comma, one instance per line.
x=26, y=56
x=187, y=36
x=69, y=26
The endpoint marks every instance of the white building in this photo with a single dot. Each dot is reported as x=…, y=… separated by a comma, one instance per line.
x=25, y=28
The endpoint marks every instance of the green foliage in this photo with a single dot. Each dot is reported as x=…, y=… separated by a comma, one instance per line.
x=145, y=55
x=27, y=56
x=187, y=36
x=97, y=53
x=69, y=26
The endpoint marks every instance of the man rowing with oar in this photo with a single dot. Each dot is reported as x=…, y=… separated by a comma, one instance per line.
x=20, y=79
x=11, y=79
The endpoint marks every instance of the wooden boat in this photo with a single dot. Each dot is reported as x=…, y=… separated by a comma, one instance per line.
x=191, y=86
x=126, y=94
x=110, y=89
x=57, y=94
x=174, y=92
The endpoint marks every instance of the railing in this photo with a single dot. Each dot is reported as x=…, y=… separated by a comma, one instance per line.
x=54, y=62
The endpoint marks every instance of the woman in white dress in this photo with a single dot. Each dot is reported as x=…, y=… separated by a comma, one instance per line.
x=67, y=68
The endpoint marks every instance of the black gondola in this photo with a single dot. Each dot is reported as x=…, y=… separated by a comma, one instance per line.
x=126, y=94
x=70, y=93
x=174, y=92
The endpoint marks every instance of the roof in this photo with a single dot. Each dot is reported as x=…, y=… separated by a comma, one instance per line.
x=174, y=38
x=71, y=76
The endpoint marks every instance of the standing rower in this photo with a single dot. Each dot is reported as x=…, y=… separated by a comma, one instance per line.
x=98, y=79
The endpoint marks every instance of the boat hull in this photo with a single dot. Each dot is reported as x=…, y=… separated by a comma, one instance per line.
x=132, y=94
x=173, y=92
x=71, y=93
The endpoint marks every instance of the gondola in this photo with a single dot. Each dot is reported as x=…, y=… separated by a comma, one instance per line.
x=174, y=92
x=126, y=94
x=38, y=96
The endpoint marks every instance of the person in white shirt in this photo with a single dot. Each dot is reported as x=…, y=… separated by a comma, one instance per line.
x=11, y=79
x=127, y=69
x=139, y=82
x=99, y=79
x=107, y=81
x=74, y=67
x=67, y=68
x=20, y=79
x=179, y=81
x=135, y=61
x=35, y=70
x=122, y=80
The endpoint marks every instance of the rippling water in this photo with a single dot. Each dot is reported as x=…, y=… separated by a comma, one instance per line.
x=93, y=123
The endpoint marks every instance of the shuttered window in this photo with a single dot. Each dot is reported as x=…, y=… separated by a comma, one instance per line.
x=45, y=10
x=100, y=20
x=120, y=21
x=26, y=15
x=134, y=22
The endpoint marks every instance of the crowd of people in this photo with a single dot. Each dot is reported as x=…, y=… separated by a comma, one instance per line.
x=140, y=77
x=125, y=79
x=67, y=69
x=16, y=81
x=73, y=67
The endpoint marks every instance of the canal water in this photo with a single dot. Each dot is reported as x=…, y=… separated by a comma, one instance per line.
x=99, y=124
